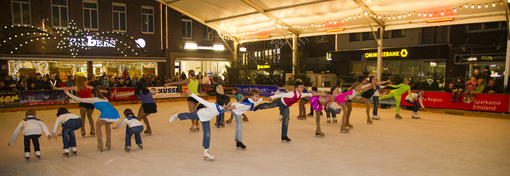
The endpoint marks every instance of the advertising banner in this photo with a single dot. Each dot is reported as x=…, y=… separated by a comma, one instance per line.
x=166, y=92
x=263, y=90
x=114, y=71
x=117, y=91
x=149, y=71
x=64, y=72
x=9, y=99
x=27, y=72
x=41, y=97
x=227, y=89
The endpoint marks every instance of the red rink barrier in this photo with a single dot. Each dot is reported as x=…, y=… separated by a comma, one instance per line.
x=117, y=91
x=483, y=102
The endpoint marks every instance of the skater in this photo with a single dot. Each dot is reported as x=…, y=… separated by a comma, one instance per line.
x=192, y=84
x=86, y=109
x=283, y=102
x=314, y=90
x=108, y=115
x=280, y=90
x=332, y=109
x=377, y=94
x=471, y=87
x=397, y=94
x=302, y=102
x=368, y=91
x=239, y=109
x=70, y=122
x=316, y=102
x=33, y=128
x=205, y=113
x=219, y=92
x=342, y=100
x=133, y=127
x=238, y=97
x=411, y=100
x=148, y=104
x=458, y=87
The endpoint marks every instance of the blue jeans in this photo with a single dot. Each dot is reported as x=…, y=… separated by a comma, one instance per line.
x=205, y=125
x=416, y=105
x=284, y=111
x=68, y=137
x=458, y=95
x=375, y=99
x=136, y=131
x=35, y=141
x=332, y=111
x=239, y=127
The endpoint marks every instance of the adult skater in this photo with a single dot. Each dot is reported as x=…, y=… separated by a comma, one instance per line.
x=70, y=122
x=342, y=99
x=205, y=113
x=148, y=106
x=108, y=115
x=397, y=94
x=33, y=128
x=412, y=100
x=284, y=101
x=192, y=84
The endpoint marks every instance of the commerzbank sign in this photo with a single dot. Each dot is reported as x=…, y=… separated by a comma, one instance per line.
x=401, y=53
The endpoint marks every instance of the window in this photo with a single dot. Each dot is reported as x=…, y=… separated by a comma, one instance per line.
x=147, y=19
x=435, y=35
x=386, y=34
x=474, y=27
x=398, y=33
x=368, y=36
x=186, y=27
x=21, y=12
x=354, y=37
x=489, y=26
x=322, y=39
x=59, y=13
x=208, y=33
x=119, y=17
x=90, y=15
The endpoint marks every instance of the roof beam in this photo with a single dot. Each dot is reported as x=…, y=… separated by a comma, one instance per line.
x=272, y=17
x=363, y=5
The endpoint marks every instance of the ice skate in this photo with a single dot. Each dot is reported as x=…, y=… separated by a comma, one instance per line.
x=148, y=132
x=344, y=130
x=245, y=119
x=328, y=120
x=66, y=152
x=240, y=145
x=140, y=145
x=193, y=128
x=415, y=115
x=108, y=143
x=334, y=120
x=319, y=134
x=174, y=117
x=27, y=155
x=348, y=125
x=38, y=154
x=397, y=116
x=370, y=122
x=376, y=117
x=229, y=121
x=208, y=156
x=281, y=117
x=92, y=133
x=285, y=139
x=309, y=115
x=100, y=145
x=83, y=133
x=73, y=151
x=127, y=148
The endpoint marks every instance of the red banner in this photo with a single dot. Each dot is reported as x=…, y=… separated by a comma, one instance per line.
x=117, y=91
x=483, y=102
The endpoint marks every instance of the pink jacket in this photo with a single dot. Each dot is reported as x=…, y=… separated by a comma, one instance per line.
x=471, y=85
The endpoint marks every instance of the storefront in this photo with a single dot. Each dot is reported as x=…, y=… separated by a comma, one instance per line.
x=495, y=62
x=209, y=67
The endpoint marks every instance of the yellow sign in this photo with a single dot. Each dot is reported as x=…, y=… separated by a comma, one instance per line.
x=263, y=66
x=401, y=53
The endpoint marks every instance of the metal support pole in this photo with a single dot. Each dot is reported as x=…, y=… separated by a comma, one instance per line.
x=379, y=53
x=507, y=63
x=294, y=53
x=236, y=51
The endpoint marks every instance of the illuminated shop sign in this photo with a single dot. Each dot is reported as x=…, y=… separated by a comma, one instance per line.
x=90, y=42
x=194, y=46
x=401, y=53
x=263, y=66
x=481, y=58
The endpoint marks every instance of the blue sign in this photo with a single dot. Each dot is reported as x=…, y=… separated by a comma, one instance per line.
x=263, y=90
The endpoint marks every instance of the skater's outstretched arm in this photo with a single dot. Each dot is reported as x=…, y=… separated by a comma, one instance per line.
x=200, y=100
x=421, y=102
x=84, y=100
x=186, y=81
x=395, y=86
x=57, y=123
x=16, y=133
x=121, y=123
x=384, y=82
x=45, y=129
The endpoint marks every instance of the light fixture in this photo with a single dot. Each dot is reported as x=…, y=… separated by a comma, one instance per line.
x=335, y=30
x=242, y=49
x=190, y=46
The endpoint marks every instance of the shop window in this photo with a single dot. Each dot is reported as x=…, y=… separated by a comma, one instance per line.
x=187, y=32
x=147, y=19
x=368, y=36
x=208, y=33
x=435, y=35
x=489, y=26
x=90, y=17
x=21, y=12
x=322, y=39
x=119, y=17
x=398, y=33
x=354, y=37
x=59, y=13
x=474, y=27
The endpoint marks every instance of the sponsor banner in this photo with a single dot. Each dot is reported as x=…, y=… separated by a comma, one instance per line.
x=64, y=72
x=9, y=99
x=42, y=97
x=483, y=102
x=227, y=89
x=263, y=90
x=149, y=71
x=113, y=71
x=117, y=91
x=27, y=72
x=166, y=92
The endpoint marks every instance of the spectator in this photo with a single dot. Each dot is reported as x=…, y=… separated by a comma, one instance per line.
x=491, y=88
x=105, y=84
x=471, y=87
x=37, y=82
x=22, y=84
x=112, y=82
x=54, y=81
x=121, y=83
x=458, y=87
x=125, y=74
x=183, y=76
x=9, y=84
x=158, y=83
x=134, y=80
x=486, y=74
x=128, y=83
x=225, y=80
x=2, y=86
x=45, y=84
x=143, y=78
x=477, y=74
x=480, y=87
x=70, y=81
x=450, y=89
x=32, y=87
x=167, y=81
x=148, y=81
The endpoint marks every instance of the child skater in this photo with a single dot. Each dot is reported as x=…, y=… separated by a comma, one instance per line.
x=33, y=128
x=148, y=104
x=368, y=91
x=283, y=102
x=314, y=90
x=192, y=84
x=108, y=115
x=332, y=109
x=239, y=109
x=411, y=100
x=397, y=93
x=302, y=102
x=238, y=97
x=133, y=127
x=342, y=98
x=70, y=122
x=280, y=90
x=205, y=114
x=316, y=102
x=375, y=97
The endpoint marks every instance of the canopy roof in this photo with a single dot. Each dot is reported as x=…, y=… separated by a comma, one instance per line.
x=246, y=20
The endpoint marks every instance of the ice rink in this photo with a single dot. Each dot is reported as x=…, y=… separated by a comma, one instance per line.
x=436, y=144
